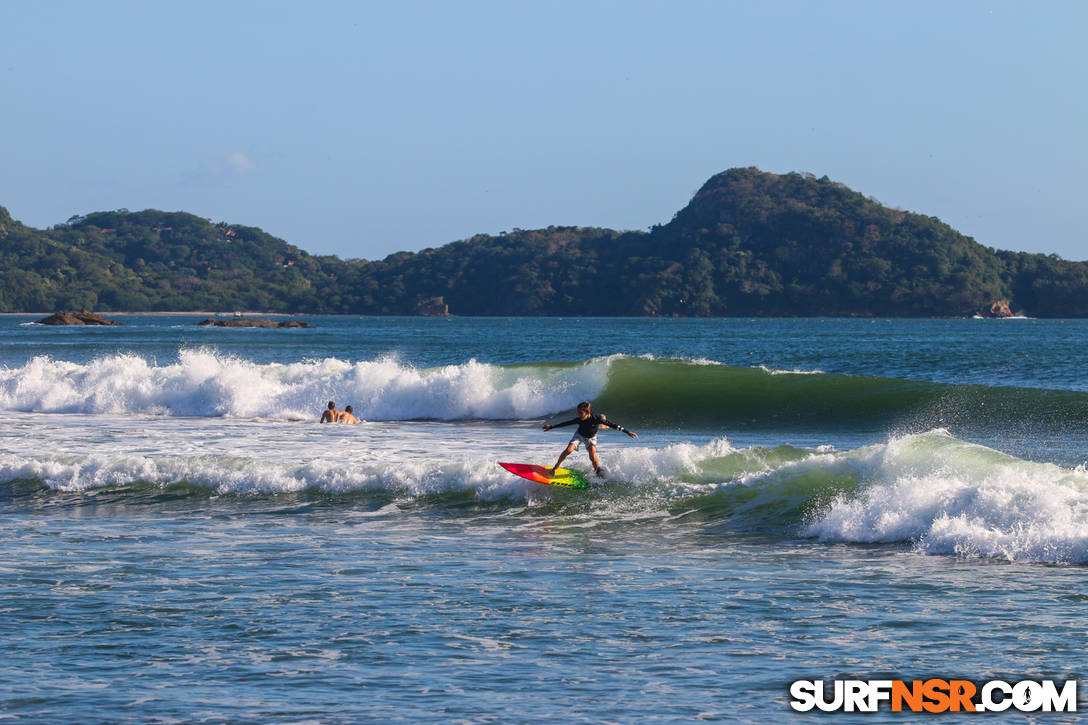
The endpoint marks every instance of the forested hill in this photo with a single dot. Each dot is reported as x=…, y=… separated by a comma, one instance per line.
x=152, y=261
x=749, y=243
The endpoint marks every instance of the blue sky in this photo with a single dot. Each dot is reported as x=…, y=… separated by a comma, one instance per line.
x=360, y=129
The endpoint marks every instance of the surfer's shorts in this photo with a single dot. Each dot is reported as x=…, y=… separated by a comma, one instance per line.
x=578, y=439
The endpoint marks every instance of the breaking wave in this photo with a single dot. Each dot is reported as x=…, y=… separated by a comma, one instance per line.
x=680, y=394
x=204, y=383
x=929, y=491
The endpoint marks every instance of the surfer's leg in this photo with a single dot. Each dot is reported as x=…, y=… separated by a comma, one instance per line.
x=569, y=449
x=592, y=451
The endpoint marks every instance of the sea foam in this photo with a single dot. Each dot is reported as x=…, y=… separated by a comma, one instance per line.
x=947, y=496
x=205, y=383
x=337, y=474
x=929, y=491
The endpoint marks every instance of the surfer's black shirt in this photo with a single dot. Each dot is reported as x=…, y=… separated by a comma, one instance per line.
x=589, y=427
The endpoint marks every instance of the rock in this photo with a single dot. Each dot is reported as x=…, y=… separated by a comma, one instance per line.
x=433, y=307
x=997, y=308
x=83, y=317
x=252, y=322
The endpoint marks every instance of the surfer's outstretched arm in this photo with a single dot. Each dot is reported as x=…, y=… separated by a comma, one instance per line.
x=617, y=426
x=572, y=421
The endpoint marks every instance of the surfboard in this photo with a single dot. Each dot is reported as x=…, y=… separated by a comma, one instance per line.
x=564, y=477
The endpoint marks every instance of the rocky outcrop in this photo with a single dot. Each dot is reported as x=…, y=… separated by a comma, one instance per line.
x=433, y=307
x=997, y=308
x=83, y=317
x=252, y=322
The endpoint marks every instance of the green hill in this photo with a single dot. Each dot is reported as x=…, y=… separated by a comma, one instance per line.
x=798, y=245
x=152, y=260
x=748, y=243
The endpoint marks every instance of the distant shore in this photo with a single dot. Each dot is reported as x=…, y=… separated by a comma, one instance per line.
x=205, y=313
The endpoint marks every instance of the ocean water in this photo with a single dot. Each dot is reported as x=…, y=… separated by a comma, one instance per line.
x=808, y=499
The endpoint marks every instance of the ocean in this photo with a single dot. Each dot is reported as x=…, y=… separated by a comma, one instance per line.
x=807, y=499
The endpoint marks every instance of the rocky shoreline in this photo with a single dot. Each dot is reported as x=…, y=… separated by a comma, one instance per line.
x=252, y=322
x=83, y=317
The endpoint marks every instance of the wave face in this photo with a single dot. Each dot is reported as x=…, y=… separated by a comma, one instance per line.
x=676, y=394
x=929, y=491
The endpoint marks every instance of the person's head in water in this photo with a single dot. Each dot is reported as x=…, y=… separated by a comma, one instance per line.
x=332, y=405
x=349, y=409
x=585, y=409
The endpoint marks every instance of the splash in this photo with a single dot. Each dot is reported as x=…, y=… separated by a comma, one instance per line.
x=946, y=496
x=929, y=491
x=641, y=391
x=204, y=383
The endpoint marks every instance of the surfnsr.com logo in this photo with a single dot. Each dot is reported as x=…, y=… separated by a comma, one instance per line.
x=933, y=695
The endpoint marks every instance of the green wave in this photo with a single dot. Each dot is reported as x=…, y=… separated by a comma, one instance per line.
x=682, y=394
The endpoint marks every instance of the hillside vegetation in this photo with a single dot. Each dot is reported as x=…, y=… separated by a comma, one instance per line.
x=749, y=243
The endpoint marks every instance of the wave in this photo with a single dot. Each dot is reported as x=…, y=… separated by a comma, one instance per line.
x=205, y=383
x=678, y=394
x=244, y=475
x=929, y=491
x=946, y=496
x=639, y=391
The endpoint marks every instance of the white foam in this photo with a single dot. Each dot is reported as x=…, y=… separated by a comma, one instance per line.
x=795, y=371
x=648, y=465
x=205, y=383
x=951, y=497
x=238, y=475
x=320, y=464
x=699, y=361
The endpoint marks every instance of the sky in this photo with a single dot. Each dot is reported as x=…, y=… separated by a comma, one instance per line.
x=365, y=128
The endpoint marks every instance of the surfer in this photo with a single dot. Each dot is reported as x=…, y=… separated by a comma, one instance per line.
x=347, y=415
x=588, y=425
x=331, y=414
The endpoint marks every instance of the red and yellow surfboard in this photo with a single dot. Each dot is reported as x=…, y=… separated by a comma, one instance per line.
x=564, y=477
